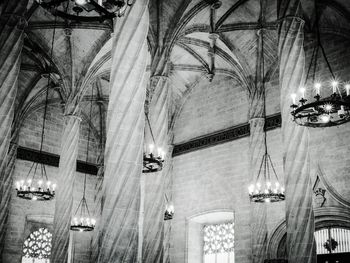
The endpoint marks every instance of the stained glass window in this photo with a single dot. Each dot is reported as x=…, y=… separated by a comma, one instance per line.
x=219, y=243
x=37, y=247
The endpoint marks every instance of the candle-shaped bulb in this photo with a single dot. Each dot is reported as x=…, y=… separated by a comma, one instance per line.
x=258, y=185
x=18, y=185
x=251, y=188
x=347, y=88
x=334, y=86
x=318, y=88
x=93, y=221
x=48, y=183
x=294, y=96
x=29, y=181
x=160, y=152
x=151, y=147
x=40, y=182
x=302, y=90
x=22, y=182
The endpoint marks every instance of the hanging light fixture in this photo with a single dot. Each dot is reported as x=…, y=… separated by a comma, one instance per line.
x=82, y=221
x=331, y=109
x=153, y=157
x=266, y=187
x=169, y=209
x=36, y=185
x=86, y=10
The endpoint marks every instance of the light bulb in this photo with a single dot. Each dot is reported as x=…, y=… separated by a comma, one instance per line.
x=347, y=88
x=325, y=118
x=34, y=198
x=160, y=152
x=80, y=2
x=318, y=88
x=258, y=185
x=294, y=96
x=53, y=187
x=93, y=221
x=48, y=183
x=268, y=184
x=267, y=200
x=151, y=147
x=40, y=182
x=29, y=181
x=328, y=107
x=251, y=188
x=302, y=90
x=18, y=185
x=277, y=184
x=334, y=85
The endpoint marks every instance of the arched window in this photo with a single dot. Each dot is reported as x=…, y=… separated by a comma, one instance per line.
x=37, y=247
x=218, y=243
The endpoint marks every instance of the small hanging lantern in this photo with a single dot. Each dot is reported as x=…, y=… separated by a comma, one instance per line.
x=153, y=157
x=169, y=209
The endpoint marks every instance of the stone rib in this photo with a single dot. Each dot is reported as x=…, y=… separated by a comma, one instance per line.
x=124, y=145
x=64, y=192
x=299, y=211
x=12, y=24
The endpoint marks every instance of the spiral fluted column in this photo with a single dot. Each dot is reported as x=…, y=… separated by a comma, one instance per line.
x=125, y=132
x=64, y=192
x=12, y=24
x=256, y=152
x=258, y=219
x=155, y=182
x=299, y=211
x=96, y=242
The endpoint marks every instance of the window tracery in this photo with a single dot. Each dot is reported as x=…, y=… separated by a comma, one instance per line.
x=37, y=247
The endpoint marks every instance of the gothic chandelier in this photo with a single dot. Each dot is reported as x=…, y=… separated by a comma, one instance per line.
x=36, y=186
x=153, y=157
x=169, y=209
x=86, y=10
x=330, y=109
x=266, y=187
x=82, y=221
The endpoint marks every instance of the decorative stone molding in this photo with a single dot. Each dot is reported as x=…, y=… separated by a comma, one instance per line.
x=53, y=160
x=234, y=133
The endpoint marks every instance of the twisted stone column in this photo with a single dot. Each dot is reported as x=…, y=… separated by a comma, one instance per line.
x=12, y=24
x=168, y=191
x=256, y=152
x=96, y=241
x=299, y=212
x=258, y=219
x=125, y=132
x=154, y=202
x=64, y=192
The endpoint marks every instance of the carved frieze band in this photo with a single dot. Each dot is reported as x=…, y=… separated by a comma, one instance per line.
x=234, y=133
x=52, y=160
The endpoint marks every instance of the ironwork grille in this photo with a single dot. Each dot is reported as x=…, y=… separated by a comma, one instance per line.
x=332, y=240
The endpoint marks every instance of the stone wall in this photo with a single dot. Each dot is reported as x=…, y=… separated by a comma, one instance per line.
x=216, y=178
x=23, y=211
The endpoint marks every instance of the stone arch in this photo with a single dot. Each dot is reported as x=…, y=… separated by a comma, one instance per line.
x=324, y=217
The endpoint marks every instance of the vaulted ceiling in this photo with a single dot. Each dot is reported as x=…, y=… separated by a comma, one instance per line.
x=180, y=36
